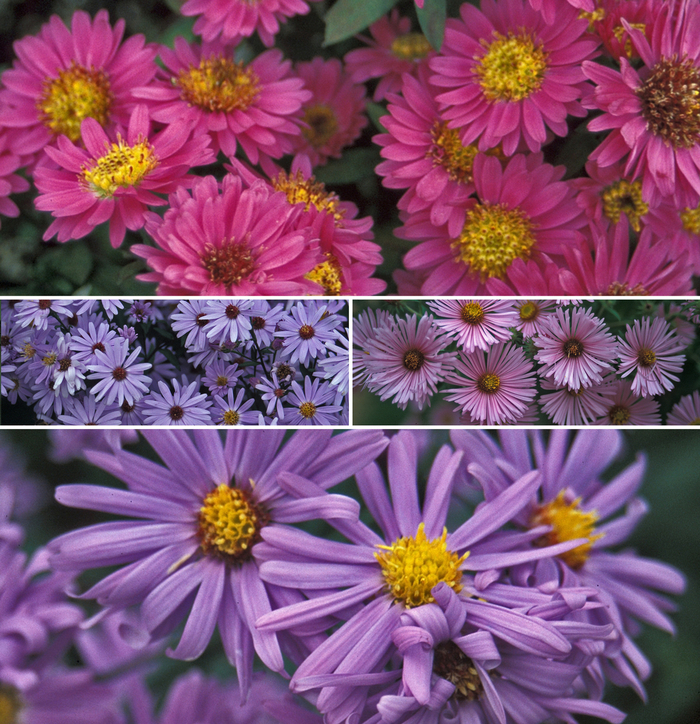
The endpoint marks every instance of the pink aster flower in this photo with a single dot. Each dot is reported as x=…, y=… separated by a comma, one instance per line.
x=549, y=8
x=63, y=76
x=475, y=323
x=393, y=50
x=115, y=178
x=653, y=111
x=615, y=36
x=509, y=75
x=10, y=182
x=651, y=349
x=531, y=315
x=524, y=211
x=627, y=408
x=575, y=348
x=232, y=19
x=256, y=104
x=686, y=411
x=334, y=115
x=406, y=361
x=424, y=156
x=575, y=407
x=226, y=239
x=494, y=387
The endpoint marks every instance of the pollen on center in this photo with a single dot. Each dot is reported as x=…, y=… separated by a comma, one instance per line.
x=219, y=84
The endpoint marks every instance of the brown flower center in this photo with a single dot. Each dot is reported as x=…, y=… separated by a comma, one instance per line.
x=452, y=664
x=413, y=360
x=176, y=413
x=118, y=374
x=488, y=383
x=619, y=415
x=573, y=348
x=306, y=331
x=229, y=263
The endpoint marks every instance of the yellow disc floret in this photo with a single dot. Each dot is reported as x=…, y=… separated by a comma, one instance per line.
x=488, y=383
x=218, y=84
x=512, y=68
x=76, y=94
x=446, y=150
x=322, y=124
x=411, y=46
x=122, y=166
x=472, y=313
x=691, y=220
x=492, y=238
x=329, y=275
x=307, y=410
x=412, y=567
x=10, y=704
x=231, y=417
x=529, y=311
x=568, y=522
x=624, y=197
x=309, y=192
x=229, y=523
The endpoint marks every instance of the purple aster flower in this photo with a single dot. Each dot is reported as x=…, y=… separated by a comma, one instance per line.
x=264, y=320
x=228, y=320
x=220, y=377
x=189, y=318
x=112, y=306
x=200, y=517
x=143, y=312
x=686, y=411
x=68, y=372
x=273, y=393
x=85, y=343
x=308, y=406
x=475, y=323
x=234, y=411
x=494, y=387
x=120, y=377
x=336, y=367
x=627, y=408
x=366, y=327
x=380, y=568
x=35, y=312
x=651, y=349
x=531, y=314
x=306, y=332
x=72, y=444
x=87, y=411
x=407, y=361
x=575, y=348
x=181, y=406
x=575, y=407
x=127, y=333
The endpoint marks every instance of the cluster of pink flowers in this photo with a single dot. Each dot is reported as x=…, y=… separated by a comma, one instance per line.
x=499, y=361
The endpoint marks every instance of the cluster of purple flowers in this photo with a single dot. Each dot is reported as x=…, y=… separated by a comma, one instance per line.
x=499, y=360
x=217, y=361
x=520, y=613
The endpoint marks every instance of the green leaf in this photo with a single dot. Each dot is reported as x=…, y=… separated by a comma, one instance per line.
x=348, y=17
x=376, y=112
x=432, y=21
x=355, y=165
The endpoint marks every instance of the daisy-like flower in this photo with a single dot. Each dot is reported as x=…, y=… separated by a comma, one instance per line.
x=227, y=239
x=63, y=76
x=36, y=313
x=189, y=319
x=200, y=516
x=228, y=320
x=405, y=362
x=306, y=331
x=366, y=327
x=10, y=182
x=475, y=323
x=220, y=377
x=231, y=19
x=565, y=406
x=183, y=405
x=394, y=49
x=120, y=377
x=530, y=315
x=233, y=411
x=88, y=411
x=522, y=212
x=263, y=321
x=652, y=350
x=68, y=373
x=114, y=178
x=334, y=115
x=495, y=386
x=575, y=348
x=653, y=110
x=627, y=408
x=509, y=75
x=86, y=342
x=336, y=366
x=309, y=405
x=273, y=393
x=686, y=411
x=256, y=104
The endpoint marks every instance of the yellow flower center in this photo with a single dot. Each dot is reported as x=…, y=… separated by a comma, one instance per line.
x=529, y=311
x=230, y=523
x=228, y=263
x=617, y=289
x=308, y=192
x=219, y=84
x=691, y=220
x=122, y=166
x=512, y=68
x=492, y=238
x=646, y=357
x=28, y=351
x=619, y=415
x=452, y=664
x=624, y=197
x=329, y=275
x=488, y=383
x=231, y=417
x=76, y=94
x=49, y=359
x=670, y=99
x=592, y=17
x=221, y=381
x=411, y=46
x=568, y=522
x=472, y=313
x=413, y=360
x=412, y=567
x=10, y=704
x=322, y=122
x=446, y=150
x=620, y=32
x=307, y=410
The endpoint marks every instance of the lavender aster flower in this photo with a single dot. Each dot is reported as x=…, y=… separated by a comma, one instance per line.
x=336, y=367
x=273, y=393
x=228, y=320
x=86, y=342
x=199, y=518
x=306, y=331
x=183, y=406
x=234, y=411
x=220, y=377
x=36, y=312
x=309, y=405
x=120, y=377
x=190, y=319
x=475, y=323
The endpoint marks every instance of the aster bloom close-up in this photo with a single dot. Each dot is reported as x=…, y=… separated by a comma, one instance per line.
x=509, y=76
x=120, y=376
x=199, y=517
x=305, y=332
x=494, y=387
x=114, y=178
x=183, y=405
x=308, y=405
x=575, y=348
x=652, y=350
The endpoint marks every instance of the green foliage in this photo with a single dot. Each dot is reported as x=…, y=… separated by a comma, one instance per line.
x=348, y=17
x=432, y=21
